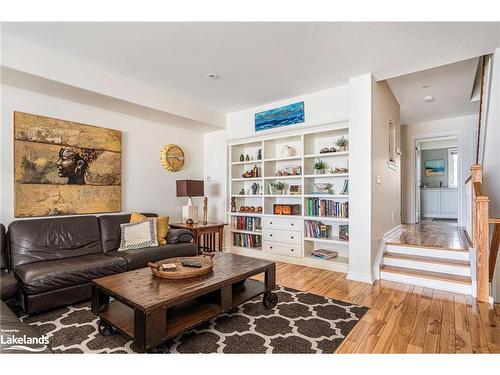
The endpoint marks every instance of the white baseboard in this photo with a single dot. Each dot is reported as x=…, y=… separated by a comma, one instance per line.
x=380, y=252
x=360, y=277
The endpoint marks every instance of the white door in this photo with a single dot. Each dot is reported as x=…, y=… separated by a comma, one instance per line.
x=418, y=182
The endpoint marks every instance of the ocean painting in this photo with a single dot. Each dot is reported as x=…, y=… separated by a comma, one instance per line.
x=434, y=167
x=282, y=116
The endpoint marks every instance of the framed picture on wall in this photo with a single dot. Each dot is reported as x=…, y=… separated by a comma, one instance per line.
x=434, y=167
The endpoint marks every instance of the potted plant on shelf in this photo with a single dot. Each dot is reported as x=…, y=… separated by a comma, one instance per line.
x=277, y=188
x=319, y=167
x=342, y=143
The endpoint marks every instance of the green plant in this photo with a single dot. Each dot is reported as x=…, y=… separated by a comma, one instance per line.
x=342, y=142
x=278, y=185
x=319, y=165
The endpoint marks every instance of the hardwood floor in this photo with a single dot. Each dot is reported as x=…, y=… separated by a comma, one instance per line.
x=431, y=234
x=403, y=318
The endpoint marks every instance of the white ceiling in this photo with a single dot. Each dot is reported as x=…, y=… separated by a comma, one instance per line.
x=451, y=86
x=260, y=62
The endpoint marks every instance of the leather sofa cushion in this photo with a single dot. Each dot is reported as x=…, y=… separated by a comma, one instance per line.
x=110, y=229
x=12, y=326
x=57, y=274
x=8, y=285
x=3, y=249
x=49, y=239
x=179, y=236
x=139, y=258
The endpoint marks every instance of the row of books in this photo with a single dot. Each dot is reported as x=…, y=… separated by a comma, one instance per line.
x=247, y=240
x=327, y=208
x=247, y=223
x=315, y=229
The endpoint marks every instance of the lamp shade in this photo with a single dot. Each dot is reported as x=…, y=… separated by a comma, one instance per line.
x=190, y=188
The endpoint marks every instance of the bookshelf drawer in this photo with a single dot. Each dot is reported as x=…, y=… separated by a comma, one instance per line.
x=281, y=223
x=287, y=236
x=283, y=249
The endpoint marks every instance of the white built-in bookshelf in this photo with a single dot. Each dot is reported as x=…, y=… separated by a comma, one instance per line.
x=290, y=238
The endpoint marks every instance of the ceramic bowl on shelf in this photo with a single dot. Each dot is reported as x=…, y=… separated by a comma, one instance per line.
x=322, y=186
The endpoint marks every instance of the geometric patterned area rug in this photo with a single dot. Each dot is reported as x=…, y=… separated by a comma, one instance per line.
x=300, y=323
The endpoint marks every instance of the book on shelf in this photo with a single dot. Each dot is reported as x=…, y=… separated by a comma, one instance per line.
x=344, y=232
x=324, y=254
x=327, y=208
x=316, y=229
x=345, y=188
x=248, y=223
x=247, y=240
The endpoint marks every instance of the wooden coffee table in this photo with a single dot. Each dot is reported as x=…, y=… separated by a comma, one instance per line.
x=151, y=310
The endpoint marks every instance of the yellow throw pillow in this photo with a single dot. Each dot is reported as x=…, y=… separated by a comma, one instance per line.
x=161, y=225
x=136, y=217
x=162, y=229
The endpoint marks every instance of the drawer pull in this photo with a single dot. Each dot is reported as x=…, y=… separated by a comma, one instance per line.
x=271, y=235
x=292, y=249
x=270, y=222
x=292, y=237
x=291, y=224
x=270, y=247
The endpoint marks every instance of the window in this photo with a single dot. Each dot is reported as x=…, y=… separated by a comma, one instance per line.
x=392, y=142
x=452, y=168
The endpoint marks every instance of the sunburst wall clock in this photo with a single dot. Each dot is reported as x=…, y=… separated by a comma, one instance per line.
x=172, y=157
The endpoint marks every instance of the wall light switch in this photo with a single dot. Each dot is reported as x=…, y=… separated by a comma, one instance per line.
x=209, y=178
x=379, y=180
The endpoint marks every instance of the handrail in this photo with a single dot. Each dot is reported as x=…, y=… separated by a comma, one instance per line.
x=495, y=244
x=494, y=220
x=468, y=179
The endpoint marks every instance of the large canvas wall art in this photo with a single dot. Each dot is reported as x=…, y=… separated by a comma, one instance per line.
x=282, y=116
x=63, y=167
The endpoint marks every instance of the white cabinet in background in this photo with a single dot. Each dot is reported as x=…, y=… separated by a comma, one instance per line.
x=439, y=203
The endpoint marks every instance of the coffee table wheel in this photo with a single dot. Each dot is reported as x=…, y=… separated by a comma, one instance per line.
x=270, y=300
x=105, y=329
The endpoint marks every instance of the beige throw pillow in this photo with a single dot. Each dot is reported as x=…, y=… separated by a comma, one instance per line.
x=138, y=235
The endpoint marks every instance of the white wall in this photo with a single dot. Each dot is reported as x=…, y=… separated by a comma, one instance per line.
x=386, y=198
x=146, y=186
x=322, y=107
x=360, y=170
x=491, y=158
x=464, y=127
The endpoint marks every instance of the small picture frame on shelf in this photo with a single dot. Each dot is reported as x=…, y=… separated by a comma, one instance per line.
x=295, y=189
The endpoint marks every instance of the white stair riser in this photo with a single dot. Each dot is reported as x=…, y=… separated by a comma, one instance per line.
x=410, y=250
x=427, y=266
x=427, y=283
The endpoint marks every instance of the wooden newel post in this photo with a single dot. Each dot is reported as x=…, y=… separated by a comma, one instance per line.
x=481, y=243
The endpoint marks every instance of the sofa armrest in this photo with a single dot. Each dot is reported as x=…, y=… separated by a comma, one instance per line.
x=179, y=236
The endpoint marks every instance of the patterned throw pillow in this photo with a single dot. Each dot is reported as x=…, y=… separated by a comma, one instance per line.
x=138, y=235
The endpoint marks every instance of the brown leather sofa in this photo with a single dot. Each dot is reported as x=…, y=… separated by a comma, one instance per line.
x=8, y=283
x=12, y=328
x=55, y=259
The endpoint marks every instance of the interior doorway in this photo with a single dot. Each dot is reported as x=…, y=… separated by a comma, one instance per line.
x=437, y=175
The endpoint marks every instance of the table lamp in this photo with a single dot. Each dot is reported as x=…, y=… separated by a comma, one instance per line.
x=190, y=188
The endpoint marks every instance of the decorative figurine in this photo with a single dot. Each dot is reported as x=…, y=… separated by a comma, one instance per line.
x=252, y=209
x=242, y=191
x=255, y=171
x=233, y=204
x=247, y=158
x=205, y=210
x=259, y=209
x=259, y=154
x=254, y=187
x=248, y=174
x=242, y=157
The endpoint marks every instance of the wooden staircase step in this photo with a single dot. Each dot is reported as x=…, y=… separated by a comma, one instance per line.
x=427, y=274
x=419, y=258
x=429, y=247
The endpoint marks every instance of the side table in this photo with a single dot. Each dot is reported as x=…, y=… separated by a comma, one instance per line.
x=206, y=236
